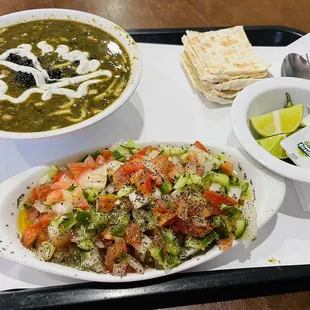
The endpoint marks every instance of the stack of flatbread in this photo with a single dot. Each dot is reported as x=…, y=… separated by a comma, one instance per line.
x=221, y=63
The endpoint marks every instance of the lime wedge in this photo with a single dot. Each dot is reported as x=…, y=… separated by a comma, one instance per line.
x=273, y=146
x=279, y=121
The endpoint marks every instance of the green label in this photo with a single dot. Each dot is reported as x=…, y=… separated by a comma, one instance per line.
x=304, y=147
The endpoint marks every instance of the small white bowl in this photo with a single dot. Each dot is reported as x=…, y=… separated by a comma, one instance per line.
x=116, y=31
x=263, y=97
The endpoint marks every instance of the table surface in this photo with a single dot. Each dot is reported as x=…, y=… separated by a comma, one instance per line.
x=135, y=14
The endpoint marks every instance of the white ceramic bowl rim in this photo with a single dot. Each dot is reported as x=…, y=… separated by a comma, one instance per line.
x=93, y=20
x=240, y=127
x=267, y=205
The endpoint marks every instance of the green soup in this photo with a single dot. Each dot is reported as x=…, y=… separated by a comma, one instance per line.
x=56, y=73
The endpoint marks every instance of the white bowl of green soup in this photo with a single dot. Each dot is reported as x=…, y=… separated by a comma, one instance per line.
x=62, y=70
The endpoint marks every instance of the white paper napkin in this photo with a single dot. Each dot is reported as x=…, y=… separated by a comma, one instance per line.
x=301, y=47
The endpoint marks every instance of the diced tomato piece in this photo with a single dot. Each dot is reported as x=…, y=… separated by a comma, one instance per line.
x=200, y=146
x=162, y=164
x=57, y=176
x=192, y=158
x=82, y=204
x=41, y=192
x=158, y=181
x=175, y=170
x=78, y=199
x=114, y=252
x=120, y=179
x=164, y=216
x=216, y=199
x=100, y=161
x=80, y=174
x=32, y=215
x=35, y=194
x=147, y=149
x=78, y=167
x=106, y=154
x=89, y=161
x=55, y=196
x=106, y=203
x=46, y=218
x=68, y=173
x=227, y=167
x=62, y=240
x=190, y=229
x=30, y=235
x=107, y=234
x=133, y=235
x=42, y=237
x=60, y=185
x=226, y=244
x=143, y=181
x=131, y=166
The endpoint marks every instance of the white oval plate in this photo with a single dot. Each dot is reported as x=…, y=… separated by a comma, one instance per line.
x=269, y=193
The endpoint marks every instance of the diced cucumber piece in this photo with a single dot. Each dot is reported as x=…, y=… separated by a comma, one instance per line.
x=200, y=244
x=131, y=146
x=183, y=157
x=118, y=230
x=173, y=150
x=233, y=213
x=195, y=179
x=208, y=239
x=118, y=155
x=224, y=207
x=145, y=219
x=219, y=178
x=46, y=250
x=86, y=245
x=188, y=252
x=240, y=228
x=191, y=242
x=170, y=241
x=49, y=175
x=181, y=182
x=171, y=261
x=124, y=191
x=246, y=195
x=100, y=220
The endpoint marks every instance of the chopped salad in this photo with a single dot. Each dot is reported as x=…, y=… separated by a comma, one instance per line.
x=125, y=209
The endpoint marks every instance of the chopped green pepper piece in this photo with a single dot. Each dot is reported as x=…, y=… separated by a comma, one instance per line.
x=27, y=206
x=91, y=194
x=96, y=154
x=71, y=188
x=166, y=188
x=70, y=221
x=83, y=218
